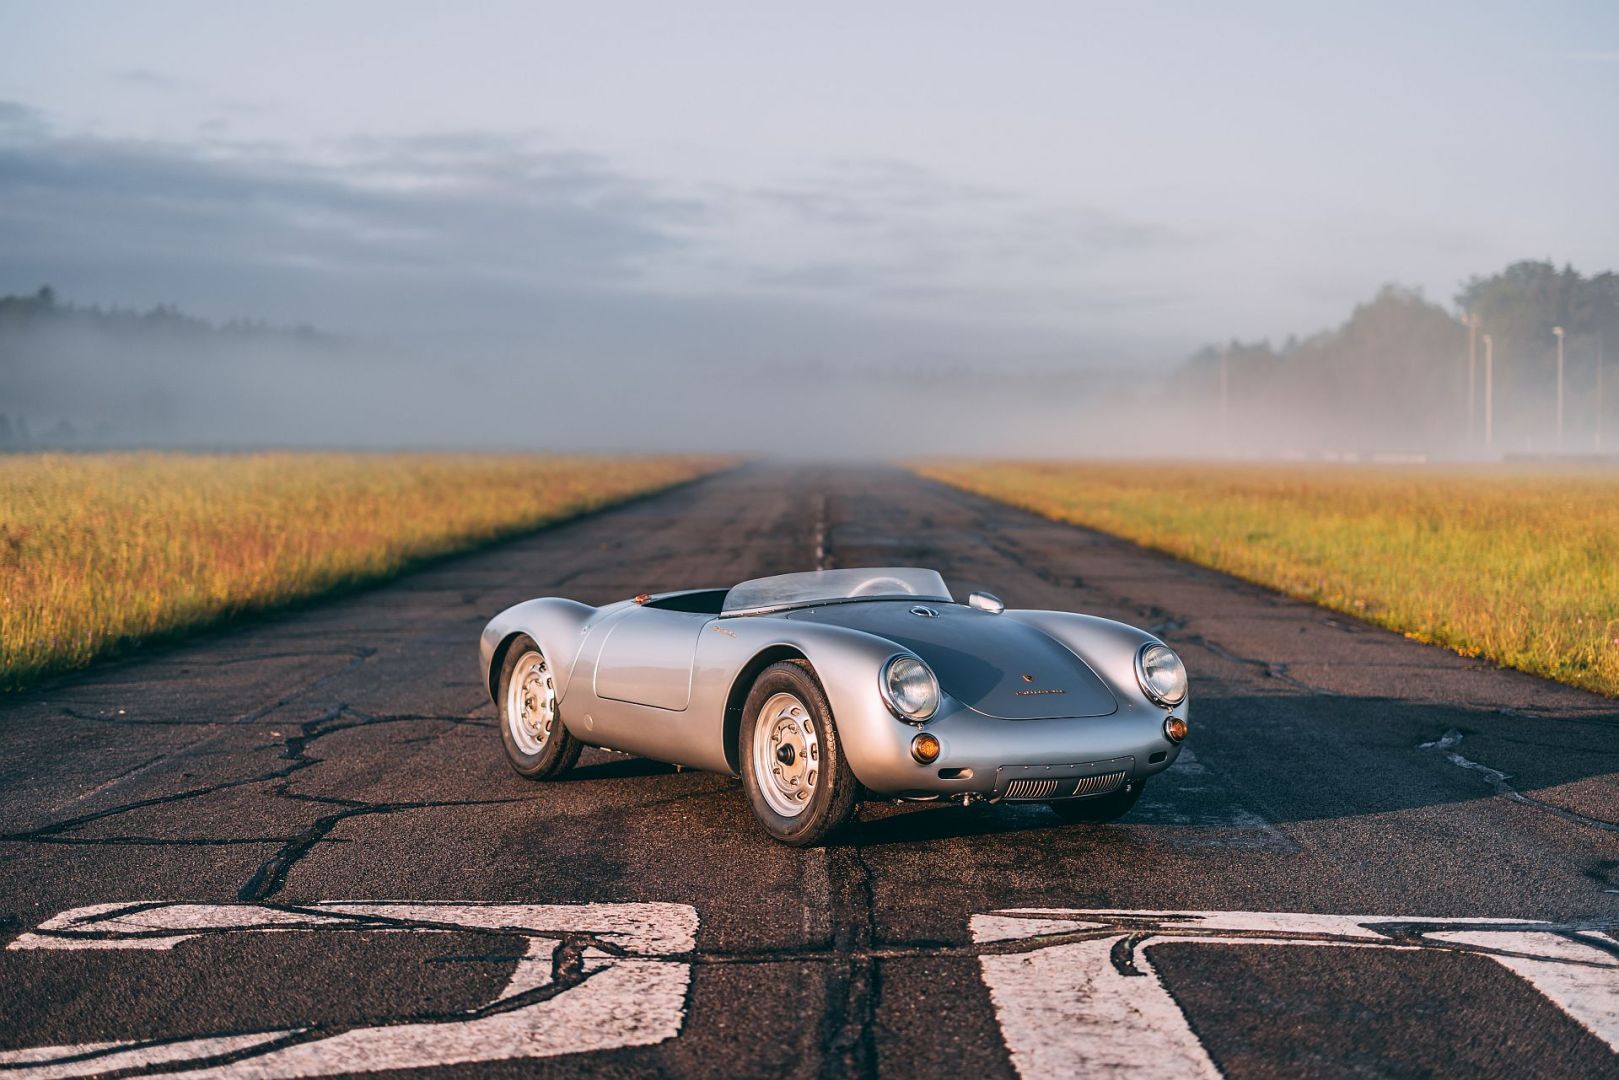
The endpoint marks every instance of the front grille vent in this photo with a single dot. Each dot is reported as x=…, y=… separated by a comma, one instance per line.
x=1099, y=785
x=1030, y=789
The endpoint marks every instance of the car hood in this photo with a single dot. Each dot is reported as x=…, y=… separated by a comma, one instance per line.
x=993, y=665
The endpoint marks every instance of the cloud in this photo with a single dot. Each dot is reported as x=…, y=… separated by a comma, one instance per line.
x=147, y=79
x=868, y=191
x=479, y=237
x=892, y=234
x=896, y=197
x=476, y=208
x=19, y=121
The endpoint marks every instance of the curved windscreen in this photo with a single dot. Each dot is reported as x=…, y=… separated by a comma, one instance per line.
x=833, y=586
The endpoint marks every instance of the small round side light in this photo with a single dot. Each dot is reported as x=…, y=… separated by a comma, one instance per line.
x=1174, y=728
x=925, y=748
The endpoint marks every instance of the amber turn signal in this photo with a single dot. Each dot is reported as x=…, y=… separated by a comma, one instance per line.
x=925, y=748
x=1174, y=729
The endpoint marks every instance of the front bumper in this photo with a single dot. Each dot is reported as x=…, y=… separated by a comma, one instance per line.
x=1011, y=759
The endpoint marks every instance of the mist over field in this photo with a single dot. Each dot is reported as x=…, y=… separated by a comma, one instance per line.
x=77, y=378
x=1391, y=382
x=1055, y=232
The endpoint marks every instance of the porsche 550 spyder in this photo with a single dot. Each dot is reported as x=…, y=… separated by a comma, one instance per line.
x=822, y=688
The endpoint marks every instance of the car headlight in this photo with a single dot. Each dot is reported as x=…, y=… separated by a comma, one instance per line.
x=909, y=689
x=1162, y=675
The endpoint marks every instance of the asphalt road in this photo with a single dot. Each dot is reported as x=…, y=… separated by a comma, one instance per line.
x=209, y=792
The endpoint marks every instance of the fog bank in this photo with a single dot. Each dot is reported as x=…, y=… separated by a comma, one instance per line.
x=1402, y=377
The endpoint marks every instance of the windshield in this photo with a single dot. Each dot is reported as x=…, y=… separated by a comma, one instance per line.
x=831, y=586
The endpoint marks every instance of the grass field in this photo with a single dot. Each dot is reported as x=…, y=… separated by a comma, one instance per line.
x=1518, y=565
x=100, y=551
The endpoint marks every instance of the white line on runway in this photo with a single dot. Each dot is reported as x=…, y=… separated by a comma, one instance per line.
x=631, y=990
x=1097, y=1005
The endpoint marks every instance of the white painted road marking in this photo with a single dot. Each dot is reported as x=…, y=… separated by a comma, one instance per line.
x=630, y=991
x=1093, y=1003
x=1087, y=1001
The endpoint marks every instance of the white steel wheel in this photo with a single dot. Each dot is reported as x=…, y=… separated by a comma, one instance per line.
x=531, y=703
x=786, y=754
x=537, y=741
x=788, y=751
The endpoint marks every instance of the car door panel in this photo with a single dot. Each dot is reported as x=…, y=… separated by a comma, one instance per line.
x=647, y=656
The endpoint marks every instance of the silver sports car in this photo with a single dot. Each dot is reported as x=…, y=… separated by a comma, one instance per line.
x=823, y=688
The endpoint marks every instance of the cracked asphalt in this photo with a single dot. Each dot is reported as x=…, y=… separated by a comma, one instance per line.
x=346, y=752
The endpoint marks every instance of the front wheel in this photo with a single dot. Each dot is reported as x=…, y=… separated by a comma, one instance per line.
x=1100, y=808
x=537, y=745
x=793, y=768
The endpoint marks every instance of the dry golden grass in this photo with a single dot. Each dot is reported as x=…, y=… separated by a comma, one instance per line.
x=99, y=551
x=1518, y=565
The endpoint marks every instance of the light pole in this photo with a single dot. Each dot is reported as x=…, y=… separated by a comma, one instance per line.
x=1472, y=379
x=1558, y=331
x=1489, y=392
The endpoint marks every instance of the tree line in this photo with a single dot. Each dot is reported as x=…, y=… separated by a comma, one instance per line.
x=83, y=375
x=42, y=311
x=1396, y=374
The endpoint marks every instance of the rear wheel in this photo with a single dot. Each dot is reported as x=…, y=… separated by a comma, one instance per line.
x=793, y=769
x=537, y=744
x=1100, y=807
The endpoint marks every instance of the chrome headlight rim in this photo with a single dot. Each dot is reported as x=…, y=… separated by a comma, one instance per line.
x=1153, y=695
x=920, y=716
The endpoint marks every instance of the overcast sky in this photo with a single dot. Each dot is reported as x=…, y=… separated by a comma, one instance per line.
x=1016, y=184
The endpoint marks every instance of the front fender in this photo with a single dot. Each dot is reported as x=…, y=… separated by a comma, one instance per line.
x=847, y=663
x=1109, y=647
x=557, y=625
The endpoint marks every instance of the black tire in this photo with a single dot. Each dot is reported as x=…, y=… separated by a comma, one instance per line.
x=833, y=792
x=558, y=751
x=1100, y=808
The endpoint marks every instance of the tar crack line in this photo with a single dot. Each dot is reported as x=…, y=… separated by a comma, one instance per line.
x=1502, y=784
